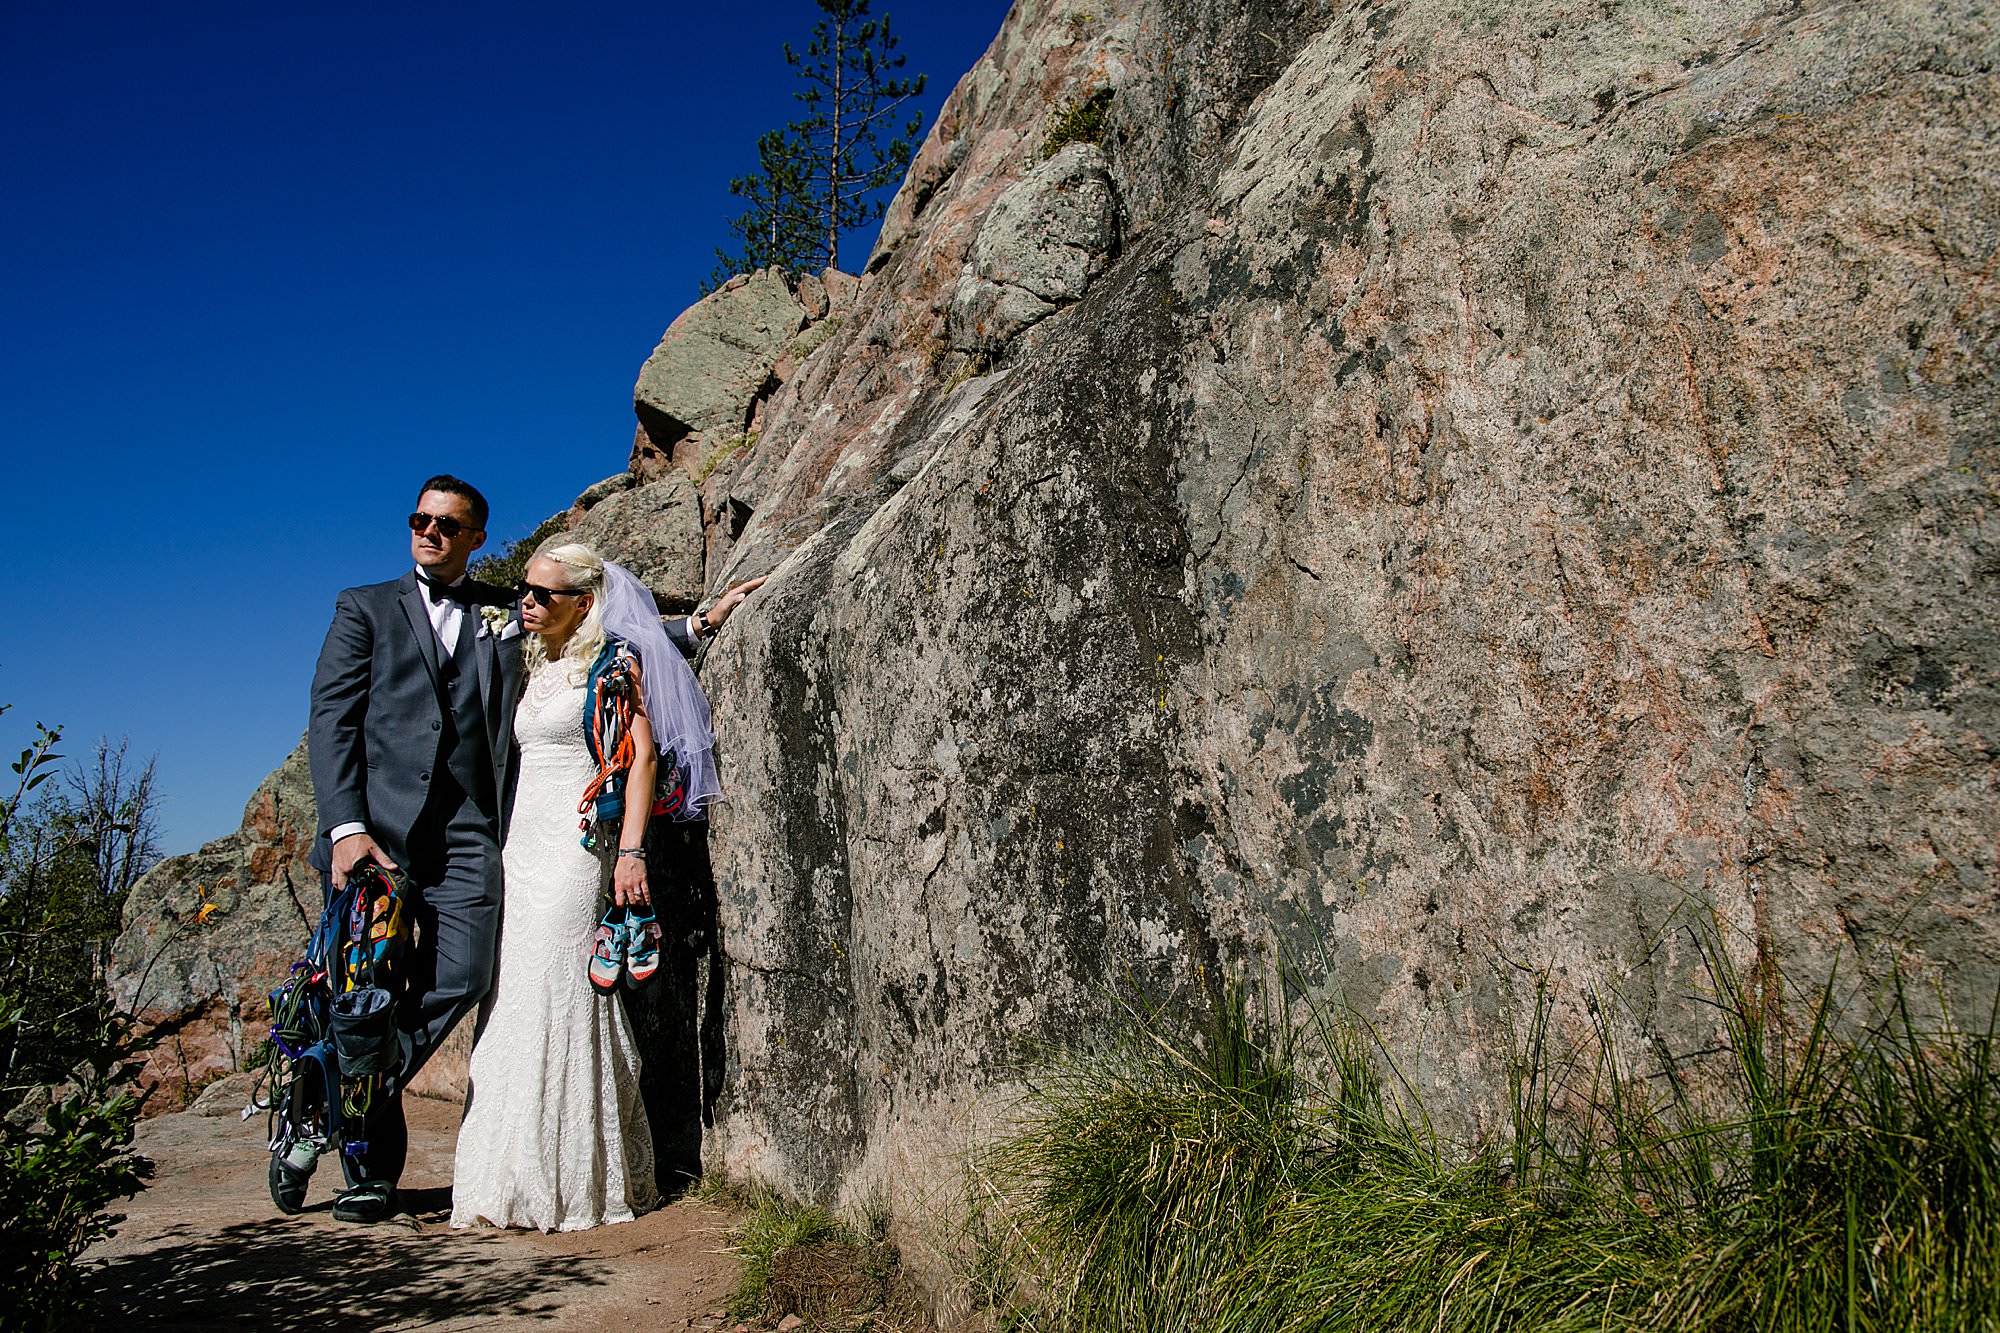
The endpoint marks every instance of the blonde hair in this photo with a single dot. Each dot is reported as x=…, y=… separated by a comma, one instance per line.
x=586, y=569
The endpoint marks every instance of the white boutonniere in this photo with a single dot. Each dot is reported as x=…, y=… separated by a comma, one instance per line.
x=495, y=620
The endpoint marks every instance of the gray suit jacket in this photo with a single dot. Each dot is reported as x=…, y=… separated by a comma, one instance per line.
x=378, y=710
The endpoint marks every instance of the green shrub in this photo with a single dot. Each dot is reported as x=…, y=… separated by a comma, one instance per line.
x=65, y=1158
x=775, y=1223
x=69, y=1094
x=506, y=566
x=1249, y=1177
x=1082, y=121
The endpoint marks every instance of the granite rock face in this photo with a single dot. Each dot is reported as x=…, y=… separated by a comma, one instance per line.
x=1524, y=484
x=208, y=935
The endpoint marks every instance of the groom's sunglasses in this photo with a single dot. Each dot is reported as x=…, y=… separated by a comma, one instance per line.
x=546, y=596
x=448, y=528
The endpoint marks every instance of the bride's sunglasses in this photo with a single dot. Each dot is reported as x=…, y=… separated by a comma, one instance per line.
x=448, y=528
x=546, y=596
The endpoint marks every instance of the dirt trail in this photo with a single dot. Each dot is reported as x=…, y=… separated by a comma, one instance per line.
x=204, y=1249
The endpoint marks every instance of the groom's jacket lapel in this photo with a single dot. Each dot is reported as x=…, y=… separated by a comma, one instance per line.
x=482, y=655
x=419, y=615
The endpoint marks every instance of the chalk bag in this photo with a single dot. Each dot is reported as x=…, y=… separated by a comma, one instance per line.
x=364, y=1033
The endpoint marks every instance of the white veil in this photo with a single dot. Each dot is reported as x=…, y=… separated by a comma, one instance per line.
x=674, y=701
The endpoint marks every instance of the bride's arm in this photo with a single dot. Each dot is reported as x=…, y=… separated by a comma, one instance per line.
x=628, y=878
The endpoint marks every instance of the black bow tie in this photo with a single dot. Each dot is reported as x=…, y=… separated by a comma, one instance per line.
x=442, y=592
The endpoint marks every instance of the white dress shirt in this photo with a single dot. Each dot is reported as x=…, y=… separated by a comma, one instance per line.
x=447, y=613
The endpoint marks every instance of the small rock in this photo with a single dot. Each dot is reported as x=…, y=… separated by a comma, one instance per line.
x=227, y=1095
x=790, y=1322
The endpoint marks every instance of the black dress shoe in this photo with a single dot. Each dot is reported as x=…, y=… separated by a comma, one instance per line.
x=367, y=1202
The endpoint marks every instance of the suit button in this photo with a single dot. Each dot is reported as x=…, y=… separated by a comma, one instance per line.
x=423, y=777
x=437, y=726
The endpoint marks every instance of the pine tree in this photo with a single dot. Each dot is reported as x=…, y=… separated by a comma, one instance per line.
x=822, y=176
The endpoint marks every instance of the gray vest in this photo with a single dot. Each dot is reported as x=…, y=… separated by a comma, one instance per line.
x=466, y=752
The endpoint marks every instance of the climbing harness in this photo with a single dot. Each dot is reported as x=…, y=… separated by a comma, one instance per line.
x=609, y=701
x=333, y=1033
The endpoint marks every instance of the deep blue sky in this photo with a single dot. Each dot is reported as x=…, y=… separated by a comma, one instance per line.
x=266, y=266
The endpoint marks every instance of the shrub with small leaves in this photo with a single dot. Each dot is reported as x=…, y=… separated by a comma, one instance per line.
x=66, y=1157
x=69, y=1066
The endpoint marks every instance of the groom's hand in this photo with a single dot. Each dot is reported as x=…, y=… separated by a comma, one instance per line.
x=351, y=851
x=729, y=601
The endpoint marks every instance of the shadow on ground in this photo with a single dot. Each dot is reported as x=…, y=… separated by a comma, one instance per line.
x=283, y=1274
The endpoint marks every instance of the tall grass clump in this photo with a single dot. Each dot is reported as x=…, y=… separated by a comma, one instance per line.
x=1242, y=1174
x=1148, y=1169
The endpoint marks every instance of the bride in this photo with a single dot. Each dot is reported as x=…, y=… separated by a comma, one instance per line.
x=555, y=1136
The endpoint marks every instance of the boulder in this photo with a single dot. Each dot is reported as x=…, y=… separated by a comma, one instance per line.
x=653, y=530
x=588, y=499
x=1038, y=249
x=724, y=355
x=230, y=1095
x=1522, y=486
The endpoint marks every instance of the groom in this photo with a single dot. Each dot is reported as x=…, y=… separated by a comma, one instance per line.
x=410, y=741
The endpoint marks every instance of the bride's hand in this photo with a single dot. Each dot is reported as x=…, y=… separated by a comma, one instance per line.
x=628, y=883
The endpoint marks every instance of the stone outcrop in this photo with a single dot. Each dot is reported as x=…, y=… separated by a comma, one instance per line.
x=208, y=935
x=1491, y=486
x=700, y=392
x=656, y=532
x=1525, y=481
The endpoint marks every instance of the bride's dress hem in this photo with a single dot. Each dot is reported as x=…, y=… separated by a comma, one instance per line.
x=488, y=1224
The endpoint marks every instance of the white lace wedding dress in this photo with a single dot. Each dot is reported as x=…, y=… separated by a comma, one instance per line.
x=555, y=1136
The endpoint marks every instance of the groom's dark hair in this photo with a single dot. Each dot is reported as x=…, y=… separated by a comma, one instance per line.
x=451, y=485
